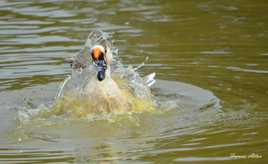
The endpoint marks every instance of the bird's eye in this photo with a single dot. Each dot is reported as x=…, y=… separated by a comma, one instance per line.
x=101, y=57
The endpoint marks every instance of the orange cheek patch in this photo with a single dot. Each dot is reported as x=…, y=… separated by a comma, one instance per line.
x=96, y=53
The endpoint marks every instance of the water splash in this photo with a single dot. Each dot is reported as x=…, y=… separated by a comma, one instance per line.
x=81, y=95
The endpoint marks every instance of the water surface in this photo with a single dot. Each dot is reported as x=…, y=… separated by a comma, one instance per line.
x=220, y=46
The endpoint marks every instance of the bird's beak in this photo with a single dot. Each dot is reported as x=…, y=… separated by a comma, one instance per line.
x=101, y=67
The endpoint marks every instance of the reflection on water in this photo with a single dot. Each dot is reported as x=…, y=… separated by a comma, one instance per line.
x=219, y=46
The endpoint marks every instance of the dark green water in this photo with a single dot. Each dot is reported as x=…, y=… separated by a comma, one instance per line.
x=220, y=46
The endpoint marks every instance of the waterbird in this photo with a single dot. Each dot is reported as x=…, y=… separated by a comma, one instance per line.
x=99, y=83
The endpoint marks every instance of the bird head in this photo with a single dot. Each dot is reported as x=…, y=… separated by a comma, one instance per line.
x=99, y=57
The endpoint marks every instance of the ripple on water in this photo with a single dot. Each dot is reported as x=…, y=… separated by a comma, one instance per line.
x=238, y=69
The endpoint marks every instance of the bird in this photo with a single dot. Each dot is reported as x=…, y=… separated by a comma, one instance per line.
x=99, y=83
